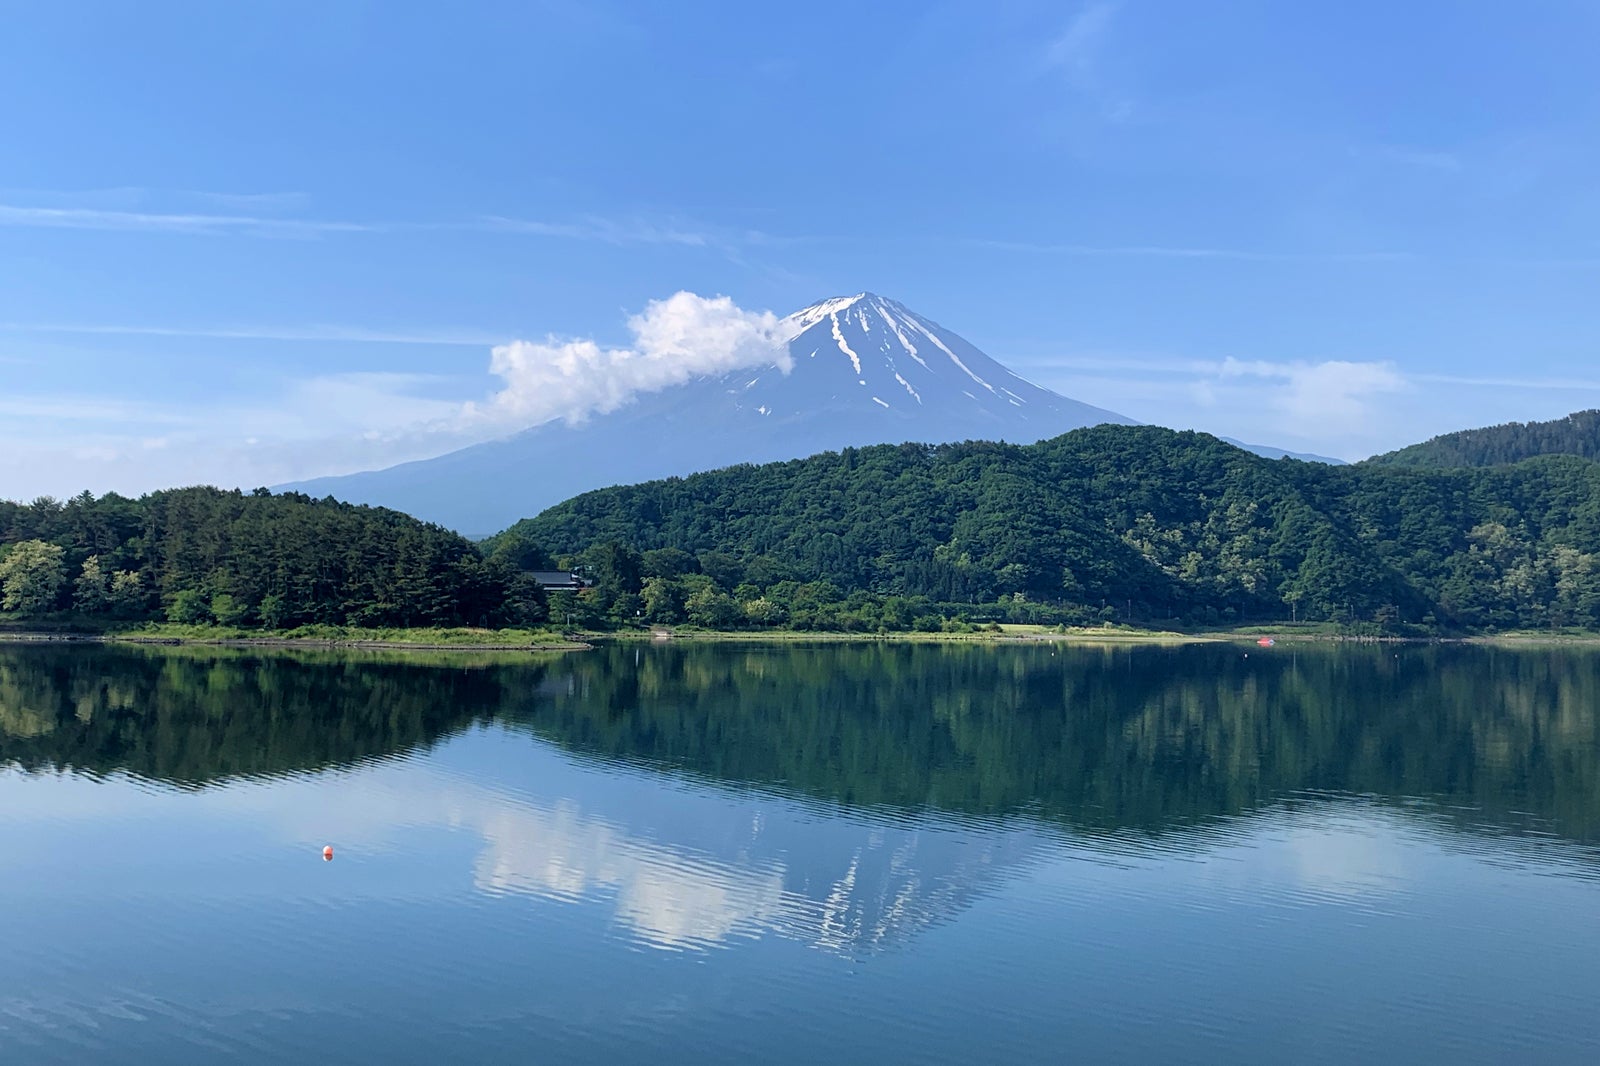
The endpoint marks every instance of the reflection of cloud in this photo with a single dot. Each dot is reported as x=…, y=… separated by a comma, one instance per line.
x=668, y=898
x=743, y=872
x=1346, y=860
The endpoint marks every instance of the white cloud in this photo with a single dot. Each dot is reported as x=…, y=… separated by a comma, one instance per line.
x=1316, y=393
x=340, y=423
x=1337, y=407
x=675, y=340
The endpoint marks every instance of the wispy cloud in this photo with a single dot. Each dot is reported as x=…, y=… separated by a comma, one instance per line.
x=603, y=230
x=255, y=202
x=1076, y=49
x=330, y=423
x=620, y=232
x=84, y=218
x=1412, y=156
x=1150, y=251
x=315, y=333
x=1540, y=384
x=1256, y=255
x=98, y=411
x=1077, y=52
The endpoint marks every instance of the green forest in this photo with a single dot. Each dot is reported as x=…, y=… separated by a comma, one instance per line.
x=1131, y=525
x=1576, y=434
x=201, y=556
x=1135, y=524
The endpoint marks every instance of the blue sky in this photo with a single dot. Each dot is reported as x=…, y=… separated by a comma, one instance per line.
x=248, y=243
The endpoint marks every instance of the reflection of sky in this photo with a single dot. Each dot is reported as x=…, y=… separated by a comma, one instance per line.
x=496, y=887
x=678, y=866
x=682, y=865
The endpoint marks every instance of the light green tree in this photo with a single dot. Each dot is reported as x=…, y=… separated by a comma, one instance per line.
x=273, y=610
x=763, y=612
x=714, y=609
x=189, y=607
x=228, y=610
x=31, y=576
x=127, y=592
x=91, y=592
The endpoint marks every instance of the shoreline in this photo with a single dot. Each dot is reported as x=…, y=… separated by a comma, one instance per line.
x=589, y=640
x=355, y=644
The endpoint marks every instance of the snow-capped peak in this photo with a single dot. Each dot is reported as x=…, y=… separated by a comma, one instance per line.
x=806, y=317
x=867, y=353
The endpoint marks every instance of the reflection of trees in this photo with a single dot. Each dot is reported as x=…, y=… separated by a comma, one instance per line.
x=192, y=718
x=1143, y=738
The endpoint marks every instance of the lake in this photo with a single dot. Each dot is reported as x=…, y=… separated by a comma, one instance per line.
x=797, y=853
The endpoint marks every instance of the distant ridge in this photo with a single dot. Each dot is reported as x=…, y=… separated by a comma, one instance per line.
x=1576, y=434
x=1267, y=451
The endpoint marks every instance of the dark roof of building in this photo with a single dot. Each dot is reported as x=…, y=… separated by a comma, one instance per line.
x=557, y=578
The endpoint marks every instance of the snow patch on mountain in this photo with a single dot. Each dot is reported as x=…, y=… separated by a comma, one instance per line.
x=838, y=338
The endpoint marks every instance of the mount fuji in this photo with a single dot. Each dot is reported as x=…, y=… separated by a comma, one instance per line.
x=863, y=370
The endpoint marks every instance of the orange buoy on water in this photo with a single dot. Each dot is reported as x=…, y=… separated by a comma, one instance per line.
x=327, y=853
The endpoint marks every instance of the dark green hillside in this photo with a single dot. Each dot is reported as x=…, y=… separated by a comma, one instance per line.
x=1577, y=434
x=1135, y=522
x=202, y=555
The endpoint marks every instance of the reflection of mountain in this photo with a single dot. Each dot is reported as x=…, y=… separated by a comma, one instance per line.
x=847, y=797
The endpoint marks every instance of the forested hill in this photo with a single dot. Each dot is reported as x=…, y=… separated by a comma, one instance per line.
x=1138, y=522
x=1577, y=434
x=203, y=555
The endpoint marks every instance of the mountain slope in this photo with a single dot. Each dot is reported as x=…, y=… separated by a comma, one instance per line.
x=1267, y=451
x=865, y=370
x=1141, y=521
x=1577, y=434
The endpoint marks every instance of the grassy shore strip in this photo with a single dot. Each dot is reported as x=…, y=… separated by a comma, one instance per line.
x=1005, y=634
x=1533, y=637
x=514, y=640
x=422, y=639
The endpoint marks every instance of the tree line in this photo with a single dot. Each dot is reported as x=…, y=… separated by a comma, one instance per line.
x=1576, y=434
x=1140, y=524
x=203, y=555
x=1132, y=524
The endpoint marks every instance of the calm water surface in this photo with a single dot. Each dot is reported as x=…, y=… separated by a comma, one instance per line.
x=794, y=854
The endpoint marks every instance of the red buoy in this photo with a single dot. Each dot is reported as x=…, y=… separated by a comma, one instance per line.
x=327, y=853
